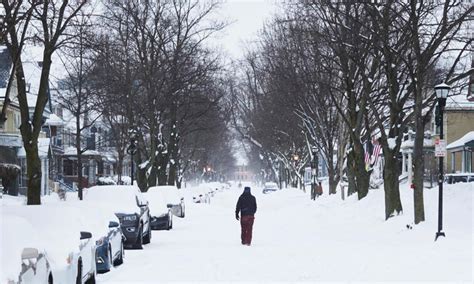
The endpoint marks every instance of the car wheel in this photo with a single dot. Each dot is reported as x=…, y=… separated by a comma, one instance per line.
x=50, y=279
x=170, y=223
x=79, y=272
x=147, y=238
x=139, y=242
x=91, y=280
x=119, y=259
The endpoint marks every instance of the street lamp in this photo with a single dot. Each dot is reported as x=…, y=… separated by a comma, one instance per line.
x=132, y=149
x=314, y=168
x=442, y=91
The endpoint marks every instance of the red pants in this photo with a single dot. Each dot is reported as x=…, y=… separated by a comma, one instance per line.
x=246, y=223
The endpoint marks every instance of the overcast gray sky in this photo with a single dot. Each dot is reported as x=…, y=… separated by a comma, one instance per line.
x=246, y=18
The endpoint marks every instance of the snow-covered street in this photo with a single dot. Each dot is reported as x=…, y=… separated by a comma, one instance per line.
x=296, y=239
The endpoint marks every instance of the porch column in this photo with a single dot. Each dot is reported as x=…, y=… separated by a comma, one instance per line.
x=410, y=168
x=43, y=177
x=404, y=163
x=91, y=171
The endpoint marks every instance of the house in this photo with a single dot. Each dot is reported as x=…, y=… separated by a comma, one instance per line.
x=458, y=123
x=10, y=137
x=461, y=154
x=11, y=144
x=243, y=173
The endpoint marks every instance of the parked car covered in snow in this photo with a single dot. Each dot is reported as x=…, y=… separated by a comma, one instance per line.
x=110, y=248
x=131, y=208
x=35, y=267
x=171, y=196
x=59, y=252
x=201, y=195
x=20, y=263
x=270, y=187
x=161, y=215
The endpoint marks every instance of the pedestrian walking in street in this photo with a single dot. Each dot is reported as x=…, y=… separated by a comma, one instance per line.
x=246, y=206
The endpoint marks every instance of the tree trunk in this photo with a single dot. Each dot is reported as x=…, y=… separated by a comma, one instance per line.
x=33, y=169
x=351, y=187
x=30, y=141
x=391, y=185
x=333, y=180
x=173, y=150
x=361, y=175
x=418, y=161
x=79, y=155
x=119, y=168
x=141, y=173
x=79, y=176
x=162, y=161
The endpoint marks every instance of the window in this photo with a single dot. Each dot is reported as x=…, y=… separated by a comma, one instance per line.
x=17, y=120
x=453, y=162
x=468, y=162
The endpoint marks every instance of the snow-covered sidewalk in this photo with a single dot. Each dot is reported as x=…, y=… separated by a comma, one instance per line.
x=296, y=239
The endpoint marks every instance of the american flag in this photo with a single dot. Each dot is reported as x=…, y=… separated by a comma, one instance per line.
x=376, y=153
x=367, y=159
x=372, y=158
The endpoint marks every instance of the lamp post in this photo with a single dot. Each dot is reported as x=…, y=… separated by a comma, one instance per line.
x=314, y=168
x=132, y=149
x=442, y=91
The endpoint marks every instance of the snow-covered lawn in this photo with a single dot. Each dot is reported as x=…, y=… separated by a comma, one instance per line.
x=296, y=239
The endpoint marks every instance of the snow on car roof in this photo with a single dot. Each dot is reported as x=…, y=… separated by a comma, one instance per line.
x=156, y=201
x=169, y=193
x=119, y=197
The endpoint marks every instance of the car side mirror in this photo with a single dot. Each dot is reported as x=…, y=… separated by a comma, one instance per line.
x=86, y=235
x=113, y=224
x=169, y=205
x=29, y=253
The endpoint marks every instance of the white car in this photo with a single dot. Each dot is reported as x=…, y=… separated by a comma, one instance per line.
x=161, y=214
x=64, y=252
x=21, y=262
x=270, y=187
x=35, y=267
x=171, y=196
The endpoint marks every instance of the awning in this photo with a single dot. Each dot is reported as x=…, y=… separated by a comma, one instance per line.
x=467, y=141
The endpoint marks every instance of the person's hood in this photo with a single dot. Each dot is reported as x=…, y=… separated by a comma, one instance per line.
x=246, y=190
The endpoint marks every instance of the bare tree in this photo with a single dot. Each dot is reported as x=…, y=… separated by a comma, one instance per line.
x=51, y=21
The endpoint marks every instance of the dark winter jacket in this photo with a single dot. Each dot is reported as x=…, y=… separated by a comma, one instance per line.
x=247, y=204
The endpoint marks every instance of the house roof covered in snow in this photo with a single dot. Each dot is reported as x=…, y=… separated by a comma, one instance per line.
x=54, y=120
x=459, y=105
x=461, y=142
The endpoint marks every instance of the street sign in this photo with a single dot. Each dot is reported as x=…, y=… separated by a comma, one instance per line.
x=440, y=148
